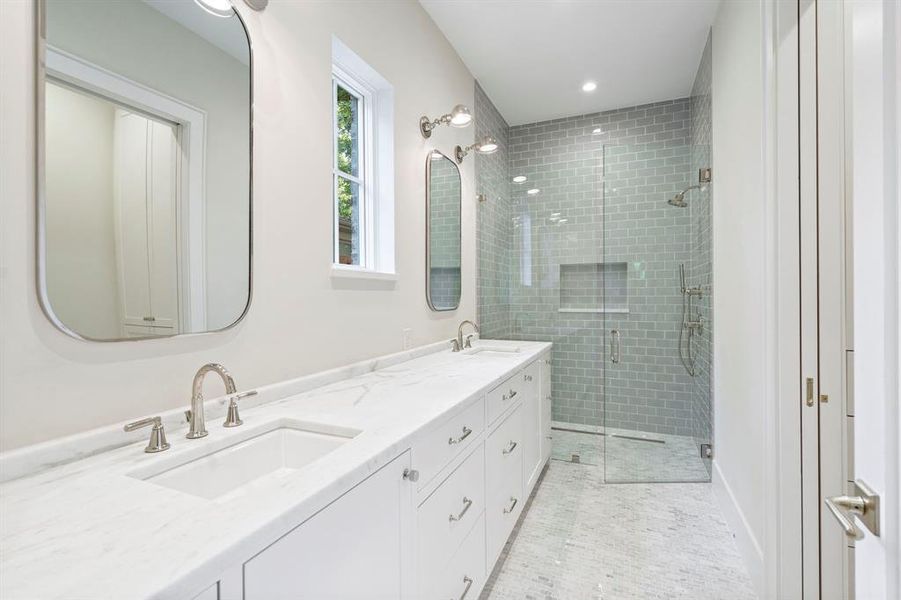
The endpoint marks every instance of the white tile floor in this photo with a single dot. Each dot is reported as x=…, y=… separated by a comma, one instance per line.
x=581, y=538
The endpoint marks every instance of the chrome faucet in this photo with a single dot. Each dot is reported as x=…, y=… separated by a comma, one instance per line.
x=458, y=342
x=195, y=415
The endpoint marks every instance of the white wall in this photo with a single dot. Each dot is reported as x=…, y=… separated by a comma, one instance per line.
x=739, y=263
x=299, y=320
x=81, y=257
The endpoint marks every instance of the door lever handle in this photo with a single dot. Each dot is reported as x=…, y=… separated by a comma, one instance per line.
x=863, y=504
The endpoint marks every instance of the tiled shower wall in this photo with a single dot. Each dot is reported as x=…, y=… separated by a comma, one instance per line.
x=527, y=240
x=495, y=229
x=444, y=233
x=700, y=273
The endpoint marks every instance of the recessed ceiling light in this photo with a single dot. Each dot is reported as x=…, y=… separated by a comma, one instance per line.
x=533, y=191
x=589, y=86
x=596, y=131
x=519, y=179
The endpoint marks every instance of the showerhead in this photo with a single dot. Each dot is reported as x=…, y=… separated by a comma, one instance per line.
x=703, y=179
x=678, y=200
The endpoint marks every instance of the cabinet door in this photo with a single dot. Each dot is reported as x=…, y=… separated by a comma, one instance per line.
x=355, y=548
x=544, y=398
x=531, y=418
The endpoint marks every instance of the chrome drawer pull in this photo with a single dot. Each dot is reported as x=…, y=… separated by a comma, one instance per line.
x=468, y=582
x=466, y=432
x=527, y=377
x=466, y=504
x=509, y=448
x=510, y=395
x=507, y=511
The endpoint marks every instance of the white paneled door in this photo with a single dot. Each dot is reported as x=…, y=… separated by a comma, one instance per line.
x=873, y=55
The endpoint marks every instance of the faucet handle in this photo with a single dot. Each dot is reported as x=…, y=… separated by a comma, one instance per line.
x=455, y=345
x=232, y=418
x=468, y=343
x=157, y=441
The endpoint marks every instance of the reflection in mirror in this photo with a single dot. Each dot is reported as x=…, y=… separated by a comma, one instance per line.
x=144, y=203
x=443, y=201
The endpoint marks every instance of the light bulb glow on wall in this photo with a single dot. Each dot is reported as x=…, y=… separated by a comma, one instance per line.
x=219, y=8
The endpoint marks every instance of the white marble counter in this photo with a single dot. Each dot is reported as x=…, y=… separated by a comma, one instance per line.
x=86, y=529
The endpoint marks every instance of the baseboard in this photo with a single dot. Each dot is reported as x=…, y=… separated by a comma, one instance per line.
x=748, y=545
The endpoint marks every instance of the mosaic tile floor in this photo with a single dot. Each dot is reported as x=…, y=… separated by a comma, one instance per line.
x=656, y=458
x=583, y=539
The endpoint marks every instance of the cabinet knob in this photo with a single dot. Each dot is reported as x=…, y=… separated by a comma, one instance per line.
x=411, y=475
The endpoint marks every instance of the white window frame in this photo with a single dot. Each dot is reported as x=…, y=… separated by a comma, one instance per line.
x=376, y=133
x=364, y=178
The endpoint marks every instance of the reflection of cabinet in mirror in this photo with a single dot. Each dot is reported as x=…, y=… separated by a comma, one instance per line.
x=144, y=168
x=121, y=174
x=146, y=203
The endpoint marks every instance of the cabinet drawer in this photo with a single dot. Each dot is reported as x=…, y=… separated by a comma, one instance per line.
x=445, y=519
x=504, y=505
x=437, y=447
x=465, y=575
x=503, y=397
x=503, y=449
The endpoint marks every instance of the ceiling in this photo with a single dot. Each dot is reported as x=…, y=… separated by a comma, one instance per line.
x=532, y=56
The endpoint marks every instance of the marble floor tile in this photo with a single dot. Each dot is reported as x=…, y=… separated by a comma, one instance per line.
x=581, y=538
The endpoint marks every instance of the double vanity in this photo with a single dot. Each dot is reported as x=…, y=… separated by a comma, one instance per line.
x=402, y=478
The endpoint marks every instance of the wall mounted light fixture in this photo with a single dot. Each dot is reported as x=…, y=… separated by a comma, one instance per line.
x=483, y=145
x=459, y=116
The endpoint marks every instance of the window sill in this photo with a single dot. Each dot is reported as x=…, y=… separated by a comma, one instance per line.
x=357, y=274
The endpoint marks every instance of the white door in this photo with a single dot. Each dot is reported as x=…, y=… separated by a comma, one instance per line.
x=873, y=84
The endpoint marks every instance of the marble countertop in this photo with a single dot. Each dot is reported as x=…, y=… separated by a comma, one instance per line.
x=87, y=529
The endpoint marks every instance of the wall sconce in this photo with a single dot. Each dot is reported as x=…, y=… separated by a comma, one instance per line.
x=458, y=117
x=483, y=145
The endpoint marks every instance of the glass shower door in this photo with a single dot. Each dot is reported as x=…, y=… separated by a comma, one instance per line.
x=654, y=395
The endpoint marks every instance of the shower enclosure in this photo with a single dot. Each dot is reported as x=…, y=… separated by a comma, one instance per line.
x=580, y=245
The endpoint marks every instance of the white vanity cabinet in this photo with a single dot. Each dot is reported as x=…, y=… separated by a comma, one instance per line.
x=429, y=525
x=544, y=399
x=353, y=549
x=532, y=423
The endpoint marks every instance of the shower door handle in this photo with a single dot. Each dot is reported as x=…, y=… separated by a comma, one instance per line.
x=615, y=343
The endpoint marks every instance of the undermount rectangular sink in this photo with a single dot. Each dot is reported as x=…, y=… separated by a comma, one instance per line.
x=281, y=448
x=487, y=351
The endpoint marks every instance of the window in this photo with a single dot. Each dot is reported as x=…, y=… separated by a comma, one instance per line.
x=350, y=174
x=362, y=166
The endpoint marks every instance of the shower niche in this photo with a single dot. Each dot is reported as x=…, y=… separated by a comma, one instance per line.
x=594, y=287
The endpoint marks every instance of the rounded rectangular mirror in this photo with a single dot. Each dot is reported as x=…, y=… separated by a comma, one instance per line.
x=144, y=181
x=443, y=203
